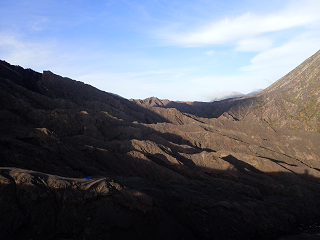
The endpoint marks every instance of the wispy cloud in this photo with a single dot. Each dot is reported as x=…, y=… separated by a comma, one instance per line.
x=39, y=55
x=248, y=25
x=25, y=53
x=209, y=53
x=285, y=57
x=39, y=23
x=258, y=44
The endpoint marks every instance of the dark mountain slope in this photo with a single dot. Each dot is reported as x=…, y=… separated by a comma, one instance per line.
x=77, y=162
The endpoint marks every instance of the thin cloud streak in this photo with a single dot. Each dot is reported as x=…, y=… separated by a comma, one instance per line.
x=244, y=26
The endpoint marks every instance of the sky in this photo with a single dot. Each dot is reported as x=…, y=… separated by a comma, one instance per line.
x=171, y=49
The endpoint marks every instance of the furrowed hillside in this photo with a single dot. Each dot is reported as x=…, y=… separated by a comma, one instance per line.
x=80, y=163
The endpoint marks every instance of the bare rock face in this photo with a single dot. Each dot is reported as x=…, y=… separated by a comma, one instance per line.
x=80, y=163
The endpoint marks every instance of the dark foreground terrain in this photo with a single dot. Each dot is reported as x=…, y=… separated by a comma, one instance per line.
x=80, y=163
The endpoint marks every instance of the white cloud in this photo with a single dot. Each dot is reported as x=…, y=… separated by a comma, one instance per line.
x=275, y=62
x=26, y=54
x=210, y=87
x=218, y=96
x=247, y=25
x=210, y=53
x=39, y=55
x=264, y=69
x=258, y=44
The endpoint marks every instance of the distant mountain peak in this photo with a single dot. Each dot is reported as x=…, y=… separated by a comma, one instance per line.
x=291, y=102
x=230, y=95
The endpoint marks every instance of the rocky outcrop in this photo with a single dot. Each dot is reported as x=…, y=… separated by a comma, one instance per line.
x=80, y=163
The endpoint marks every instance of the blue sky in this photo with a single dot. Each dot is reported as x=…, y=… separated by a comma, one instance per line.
x=177, y=50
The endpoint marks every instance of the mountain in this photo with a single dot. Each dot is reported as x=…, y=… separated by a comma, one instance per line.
x=292, y=102
x=80, y=163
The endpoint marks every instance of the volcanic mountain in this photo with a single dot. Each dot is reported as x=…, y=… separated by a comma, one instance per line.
x=80, y=163
x=292, y=102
